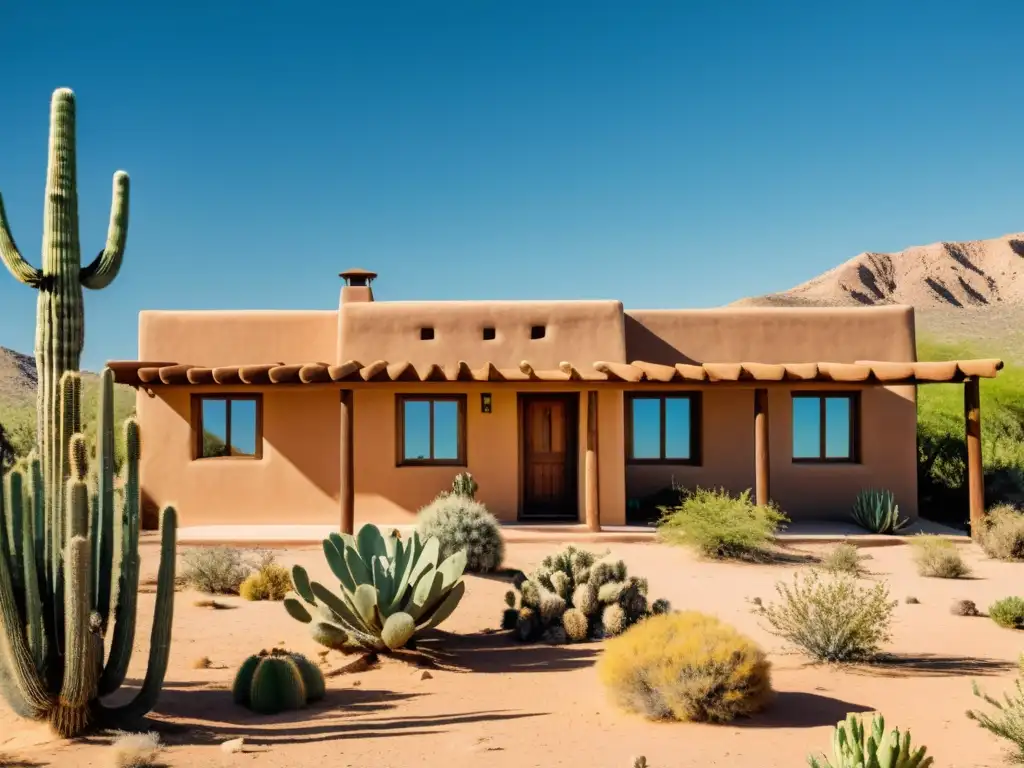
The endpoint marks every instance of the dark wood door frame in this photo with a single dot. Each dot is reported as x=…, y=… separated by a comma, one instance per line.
x=569, y=511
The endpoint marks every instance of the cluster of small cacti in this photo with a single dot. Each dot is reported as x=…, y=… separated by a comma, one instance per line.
x=390, y=590
x=277, y=680
x=460, y=522
x=69, y=560
x=853, y=747
x=575, y=596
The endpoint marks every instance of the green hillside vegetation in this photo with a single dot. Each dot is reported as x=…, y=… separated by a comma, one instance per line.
x=942, y=451
x=18, y=412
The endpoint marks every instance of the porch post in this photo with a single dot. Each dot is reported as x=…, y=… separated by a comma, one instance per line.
x=348, y=489
x=762, y=463
x=592, y=503
x=975, y=473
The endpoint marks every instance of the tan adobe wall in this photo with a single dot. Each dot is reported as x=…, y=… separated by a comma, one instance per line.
x=771, y=335
x=888, y=454
x=296, y=481
x=213, y=338
x=579, y=332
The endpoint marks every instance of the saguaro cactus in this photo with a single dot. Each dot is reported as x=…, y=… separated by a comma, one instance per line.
x=60, y=321
x=69, y=584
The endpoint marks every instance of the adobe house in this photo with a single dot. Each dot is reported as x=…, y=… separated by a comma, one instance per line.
x=561, y=410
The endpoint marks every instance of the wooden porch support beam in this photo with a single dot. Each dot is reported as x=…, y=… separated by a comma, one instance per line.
x=591, y=503
x=348, y=489
x=975, y=472
x=762, y=462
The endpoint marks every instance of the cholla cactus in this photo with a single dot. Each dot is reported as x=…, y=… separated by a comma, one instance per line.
x=586, y=596
x=852, y=747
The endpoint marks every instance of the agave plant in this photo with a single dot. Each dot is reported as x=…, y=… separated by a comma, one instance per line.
x=390, y=590
x=877, y=511
x=852, y=747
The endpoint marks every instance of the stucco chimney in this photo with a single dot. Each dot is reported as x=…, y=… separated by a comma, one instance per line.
x=357, y=285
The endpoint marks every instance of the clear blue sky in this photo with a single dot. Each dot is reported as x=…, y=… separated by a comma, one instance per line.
x=505, y=150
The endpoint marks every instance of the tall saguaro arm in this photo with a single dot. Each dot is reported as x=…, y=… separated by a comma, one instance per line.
x=11, y=256
x=104, y=268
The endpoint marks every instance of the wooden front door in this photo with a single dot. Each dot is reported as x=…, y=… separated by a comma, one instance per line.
x=549, y=457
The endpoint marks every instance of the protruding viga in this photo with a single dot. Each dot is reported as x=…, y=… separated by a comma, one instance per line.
x=69, y=580
x=60, y=318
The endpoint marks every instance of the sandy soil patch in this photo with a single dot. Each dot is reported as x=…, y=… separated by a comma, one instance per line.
x=487, y=697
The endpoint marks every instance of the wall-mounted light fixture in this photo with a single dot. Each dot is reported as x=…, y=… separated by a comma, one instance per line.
x=485, y=402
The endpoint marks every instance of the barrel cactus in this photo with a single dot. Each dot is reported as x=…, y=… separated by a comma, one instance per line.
x=853, y=747
x=575, y=596
x=460, y=522
x=277, y=680
x=390, y=590
x=69, y=579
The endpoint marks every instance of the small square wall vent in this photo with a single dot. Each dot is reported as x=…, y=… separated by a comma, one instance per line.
x=537, y=332
x=489, y=334
x=426, y=334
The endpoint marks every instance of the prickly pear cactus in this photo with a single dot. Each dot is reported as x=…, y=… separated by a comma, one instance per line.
x=583, y=595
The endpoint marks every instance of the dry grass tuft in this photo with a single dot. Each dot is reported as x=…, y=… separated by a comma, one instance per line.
x=203, y=662
x=686, y=666
x=135, y=750
x=938, y=558
x=845, y=558
x=1002, y=537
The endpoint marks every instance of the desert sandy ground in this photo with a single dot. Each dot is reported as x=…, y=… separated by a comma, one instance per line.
x=492, y=700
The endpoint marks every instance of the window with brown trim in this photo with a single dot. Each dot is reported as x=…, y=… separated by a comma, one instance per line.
x=431, y=430
x=663, y=428
x=826, y=427
x=227, y=427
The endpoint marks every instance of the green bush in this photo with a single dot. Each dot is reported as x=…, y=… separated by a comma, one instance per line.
x=459, y=522
x=1008, y=612
x=942, y=455
x=831, y=619
x=876, y=511
x=1002, y=536
x=1007, y=722
x=686, y=666
x=938, y=557
x=719, y=525
x=854, y=747
x=844, y=558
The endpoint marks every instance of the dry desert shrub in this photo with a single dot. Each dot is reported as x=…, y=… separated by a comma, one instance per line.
x=1002, y=535
x=215, y=570
x=720, y=525
x=845, y=558
x=135, y=750
x=686, y=666
x=937, y=557
x=269, y=582
x=832, y=619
